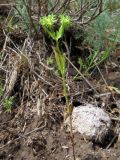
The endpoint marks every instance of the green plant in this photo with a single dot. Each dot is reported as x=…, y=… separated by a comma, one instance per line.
x=8, y=104
x=112, y=5
x=102, y=36
x=1, y=90
x=48, y=24
x=23, y=11
x=96, y=34
x=92, y=60
x=50, y=61
x=104, y=30
x=114, y=89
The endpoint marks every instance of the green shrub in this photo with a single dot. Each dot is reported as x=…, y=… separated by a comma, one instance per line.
x=8, y=104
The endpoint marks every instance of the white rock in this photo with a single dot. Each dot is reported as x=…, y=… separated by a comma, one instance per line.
x=90, y=121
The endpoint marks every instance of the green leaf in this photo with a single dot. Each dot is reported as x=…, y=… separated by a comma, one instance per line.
x=117, y=40
x=60, y=33
x=60, y=60
x=48, y=21
x=8, y=103
x=1, y=90
x=80, y=61
x=92, y=58
x=104, y=56
x=65, y=21
x=117, y=90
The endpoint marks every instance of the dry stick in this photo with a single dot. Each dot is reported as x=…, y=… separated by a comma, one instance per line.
x=52, y=9
x=8, y=16
x=68, y=52
x=5, y=4
x=63, y=5
x=101, y=74
x=81, y=6
x=115, y=136
x=28, y=8
x=105, y=81
x=82, y=75
x=39, y=8
x=40, y=77
x=77, y=13
x=72, y=137
x=94, y=15
x=65, y=8
x=82, y=11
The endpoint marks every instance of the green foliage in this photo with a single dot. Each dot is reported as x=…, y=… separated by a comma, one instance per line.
x=115, y=89
x=21, y=11
x=94, y=59
x=49, y=21
x=115, y=35
x=50, y=61
x=8, y=103
x=104, y=29
x=112, y=5
x=60, y=60
x=65, y=23
x=1, y=90
x=97, y=33
x=23, y=14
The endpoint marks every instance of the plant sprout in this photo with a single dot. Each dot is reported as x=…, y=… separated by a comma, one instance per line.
x=48, y=23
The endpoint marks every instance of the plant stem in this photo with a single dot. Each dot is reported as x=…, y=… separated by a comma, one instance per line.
x=69, y=112
x=68, y=106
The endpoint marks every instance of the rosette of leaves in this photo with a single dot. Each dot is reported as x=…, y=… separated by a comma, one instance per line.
x=48, y=23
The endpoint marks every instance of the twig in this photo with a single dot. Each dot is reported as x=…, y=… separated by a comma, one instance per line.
x=42, y=78
x=52, y=9
x=64, y=4
x=7, y=4
x=82, y=76
x=103, y=94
